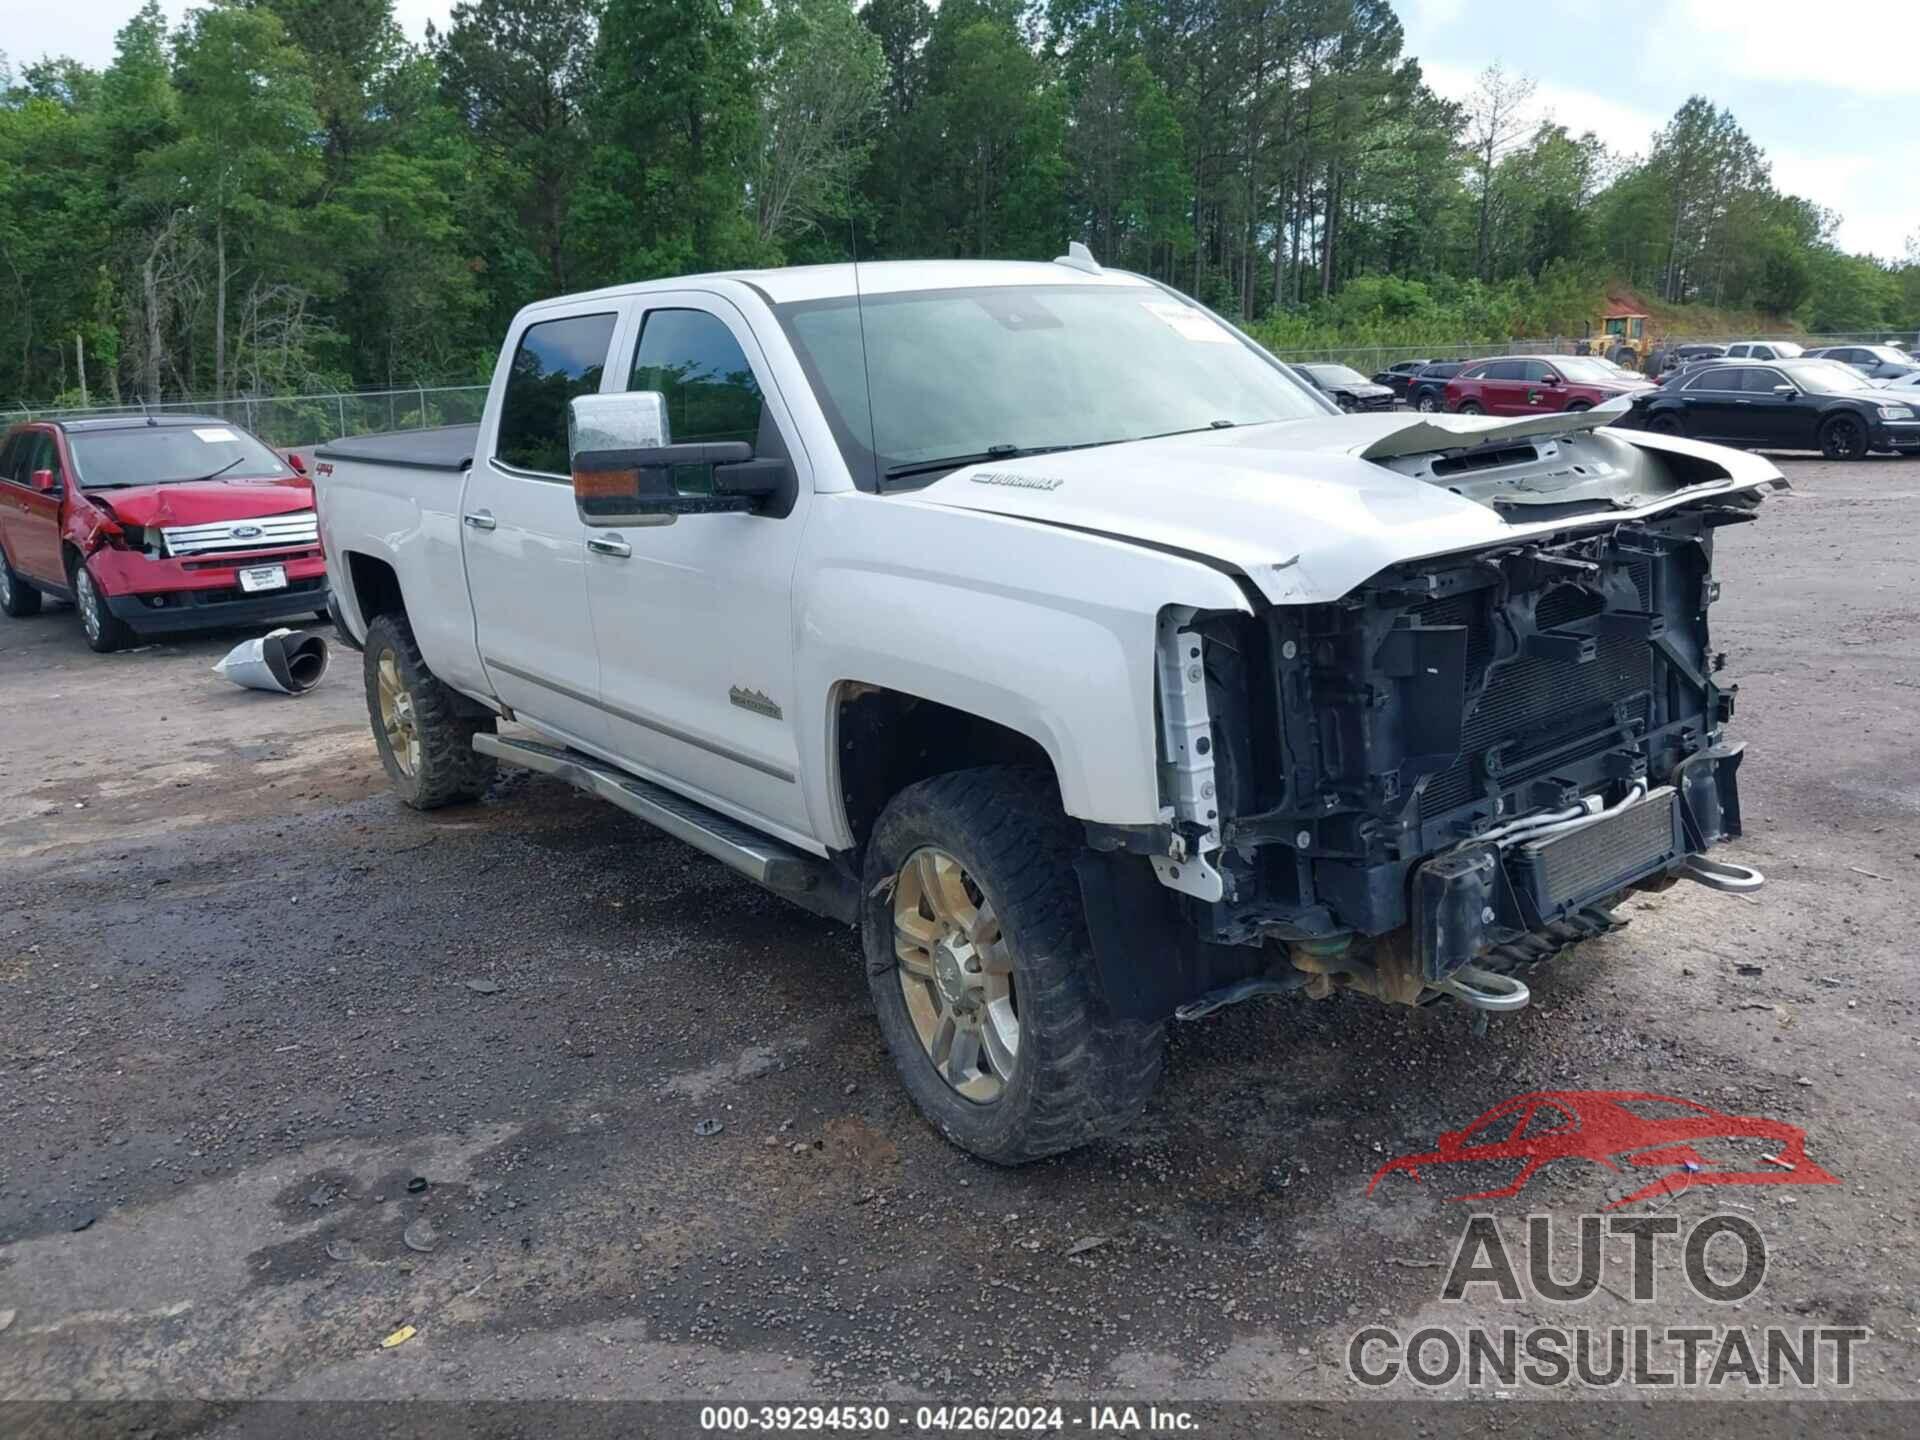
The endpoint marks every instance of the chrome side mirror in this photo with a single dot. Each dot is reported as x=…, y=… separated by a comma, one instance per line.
x=623, y=461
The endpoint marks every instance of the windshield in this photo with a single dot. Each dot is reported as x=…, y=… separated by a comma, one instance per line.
x=1336, y=375
x=1829, y=377
x=1575, y=367
x=966, y=374
x=1888, y=355
x=169, y=455
x=1785, y=349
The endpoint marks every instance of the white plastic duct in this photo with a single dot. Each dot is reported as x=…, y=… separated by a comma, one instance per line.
x=285, y=661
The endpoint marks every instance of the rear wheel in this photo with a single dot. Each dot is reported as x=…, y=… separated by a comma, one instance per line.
x=1844, y=437
x=1665, y=425
x=17, y=598
x=424, y=737
x=1471, y=407
x=105, y=631
x=1426, y=402
x=982, y=974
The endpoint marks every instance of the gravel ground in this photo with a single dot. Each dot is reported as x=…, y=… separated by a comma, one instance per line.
x=246, y=999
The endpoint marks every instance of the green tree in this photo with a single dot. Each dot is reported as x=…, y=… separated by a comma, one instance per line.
x=519, y=71
x=243, y=162
x=819, y=74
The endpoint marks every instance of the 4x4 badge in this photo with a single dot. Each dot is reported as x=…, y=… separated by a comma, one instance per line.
x=753, y=700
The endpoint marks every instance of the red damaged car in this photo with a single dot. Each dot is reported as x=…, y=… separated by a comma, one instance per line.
x=1536, y=384
x=152, y=525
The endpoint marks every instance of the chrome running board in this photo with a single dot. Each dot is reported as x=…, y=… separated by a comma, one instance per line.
x=792, y=874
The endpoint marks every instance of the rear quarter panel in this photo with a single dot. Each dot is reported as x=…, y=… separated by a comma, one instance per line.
x=409, y=519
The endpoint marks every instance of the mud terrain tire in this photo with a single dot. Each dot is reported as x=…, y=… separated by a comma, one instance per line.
x=1078, y=1074
x=424, y=736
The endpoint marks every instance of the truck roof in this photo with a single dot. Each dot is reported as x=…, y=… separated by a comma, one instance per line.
x=881, y=277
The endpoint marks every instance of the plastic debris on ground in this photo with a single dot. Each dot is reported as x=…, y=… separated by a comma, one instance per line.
x=287, y=662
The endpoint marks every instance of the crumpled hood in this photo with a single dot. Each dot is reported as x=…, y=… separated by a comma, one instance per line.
x=201, y=502
x=1296, y=508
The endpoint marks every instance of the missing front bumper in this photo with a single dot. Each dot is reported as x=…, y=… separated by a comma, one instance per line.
x=1482, y=895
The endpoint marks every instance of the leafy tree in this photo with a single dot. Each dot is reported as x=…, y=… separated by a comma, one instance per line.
x=243, y=161
x=518, y=73
x=820, y=74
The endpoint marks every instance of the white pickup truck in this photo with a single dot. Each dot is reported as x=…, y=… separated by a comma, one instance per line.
x=1035, y=620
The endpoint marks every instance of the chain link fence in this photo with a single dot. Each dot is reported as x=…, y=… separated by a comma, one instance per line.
x=288, y=420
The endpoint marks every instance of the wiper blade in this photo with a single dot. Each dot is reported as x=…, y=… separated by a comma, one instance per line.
x=954, y=462
x=1018, y=452
x=215, y=475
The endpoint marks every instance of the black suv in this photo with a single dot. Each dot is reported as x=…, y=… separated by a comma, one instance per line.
x=1427, y=391
x=1398, y=376
x=1783, y=405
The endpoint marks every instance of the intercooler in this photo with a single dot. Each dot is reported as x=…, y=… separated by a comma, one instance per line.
x=1572, y=868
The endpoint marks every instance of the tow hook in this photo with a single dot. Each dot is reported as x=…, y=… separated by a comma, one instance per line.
x=1484, y=990
x=1722, y=875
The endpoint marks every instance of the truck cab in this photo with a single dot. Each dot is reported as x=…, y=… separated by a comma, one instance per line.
x=1035, y=621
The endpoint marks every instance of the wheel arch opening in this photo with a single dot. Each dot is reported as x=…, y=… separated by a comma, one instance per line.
x=376, y=586
x=886, y=740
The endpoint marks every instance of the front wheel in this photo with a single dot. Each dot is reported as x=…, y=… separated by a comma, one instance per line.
x=1844, y=437
x=17, y=598
x=983, y=976
x=1578, y=407
x=105, y=631
x=424, y=736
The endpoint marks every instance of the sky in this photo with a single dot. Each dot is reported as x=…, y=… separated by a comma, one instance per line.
x=1831, y=91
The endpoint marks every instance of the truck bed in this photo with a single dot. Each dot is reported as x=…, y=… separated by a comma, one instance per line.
x=446, y=447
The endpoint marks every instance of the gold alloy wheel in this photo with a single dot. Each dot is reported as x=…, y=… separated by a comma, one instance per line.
x=396, y=716
x=955, y=974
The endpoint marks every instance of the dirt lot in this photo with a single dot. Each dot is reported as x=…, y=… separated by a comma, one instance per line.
x=246, y=998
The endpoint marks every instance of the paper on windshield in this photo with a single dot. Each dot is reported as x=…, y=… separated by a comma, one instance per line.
x=219, y=435
x=1186, y=322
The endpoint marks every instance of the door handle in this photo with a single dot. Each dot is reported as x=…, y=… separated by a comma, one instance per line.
x=609, y=545
x=479, y=520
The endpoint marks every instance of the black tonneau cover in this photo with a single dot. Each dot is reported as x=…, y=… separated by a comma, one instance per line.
x=449, y=447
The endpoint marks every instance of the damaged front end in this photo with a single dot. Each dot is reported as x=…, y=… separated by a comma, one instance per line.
x=1448, y=775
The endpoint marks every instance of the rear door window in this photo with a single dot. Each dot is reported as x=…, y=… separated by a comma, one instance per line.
x=1717, y=377
x=556, y=360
